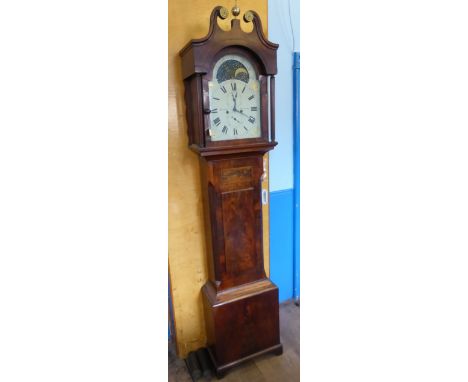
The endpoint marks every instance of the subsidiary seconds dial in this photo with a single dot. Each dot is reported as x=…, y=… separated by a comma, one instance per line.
x=234, y=95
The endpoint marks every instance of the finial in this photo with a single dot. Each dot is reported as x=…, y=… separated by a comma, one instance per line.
x=223, y=13
x=248, y=16
x=235, y=10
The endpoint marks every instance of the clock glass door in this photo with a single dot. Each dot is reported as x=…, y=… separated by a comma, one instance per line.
x=234, y=94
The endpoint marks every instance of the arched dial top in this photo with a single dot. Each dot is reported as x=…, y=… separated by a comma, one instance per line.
x=197, y=55
x=234, y=96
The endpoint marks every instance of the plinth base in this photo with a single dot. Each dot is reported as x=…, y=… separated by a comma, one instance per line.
x=221, y=370
x=242, y=323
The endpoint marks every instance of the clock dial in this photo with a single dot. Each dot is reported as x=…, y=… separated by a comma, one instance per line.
x=234, y=100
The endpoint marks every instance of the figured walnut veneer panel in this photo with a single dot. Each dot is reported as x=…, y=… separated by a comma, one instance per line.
x=239, y=245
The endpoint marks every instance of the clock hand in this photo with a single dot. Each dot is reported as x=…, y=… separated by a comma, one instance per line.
x=235, y=102
x=235, y=119
x=240, y=112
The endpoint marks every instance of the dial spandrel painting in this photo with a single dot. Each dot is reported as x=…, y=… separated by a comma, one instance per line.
x=234, y=96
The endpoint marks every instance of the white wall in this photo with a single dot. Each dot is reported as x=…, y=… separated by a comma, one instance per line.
x=283, y=29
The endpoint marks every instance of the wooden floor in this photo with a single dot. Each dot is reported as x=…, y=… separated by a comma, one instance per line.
x=271, y=368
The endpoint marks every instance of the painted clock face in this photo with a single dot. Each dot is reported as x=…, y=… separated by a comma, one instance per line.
x=234, y=96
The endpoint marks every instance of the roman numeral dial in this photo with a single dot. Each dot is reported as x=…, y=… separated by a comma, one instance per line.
x=234, y=100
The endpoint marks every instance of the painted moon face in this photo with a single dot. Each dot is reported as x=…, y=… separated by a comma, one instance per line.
x=232, y=70
x=241, y=74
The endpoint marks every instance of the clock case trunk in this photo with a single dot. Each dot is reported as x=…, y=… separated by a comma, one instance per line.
x=240, y=301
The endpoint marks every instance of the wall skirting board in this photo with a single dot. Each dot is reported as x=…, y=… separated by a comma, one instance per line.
x=281, y=241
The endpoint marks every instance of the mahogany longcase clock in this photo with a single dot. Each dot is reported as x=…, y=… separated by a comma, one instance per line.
x=229, y=95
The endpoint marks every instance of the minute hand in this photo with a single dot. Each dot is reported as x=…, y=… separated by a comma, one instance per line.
x=235, y=102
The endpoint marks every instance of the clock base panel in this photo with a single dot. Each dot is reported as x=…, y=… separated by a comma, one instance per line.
x=242, y=323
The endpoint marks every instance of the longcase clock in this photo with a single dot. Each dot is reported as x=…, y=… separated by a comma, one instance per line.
x=229, y=95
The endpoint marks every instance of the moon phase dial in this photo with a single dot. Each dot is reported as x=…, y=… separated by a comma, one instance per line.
x=232, y=70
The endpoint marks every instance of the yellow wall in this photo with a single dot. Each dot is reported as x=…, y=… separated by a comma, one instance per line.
x=189, y=19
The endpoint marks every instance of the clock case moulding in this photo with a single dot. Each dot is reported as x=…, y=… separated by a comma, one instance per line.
x=240, y=302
